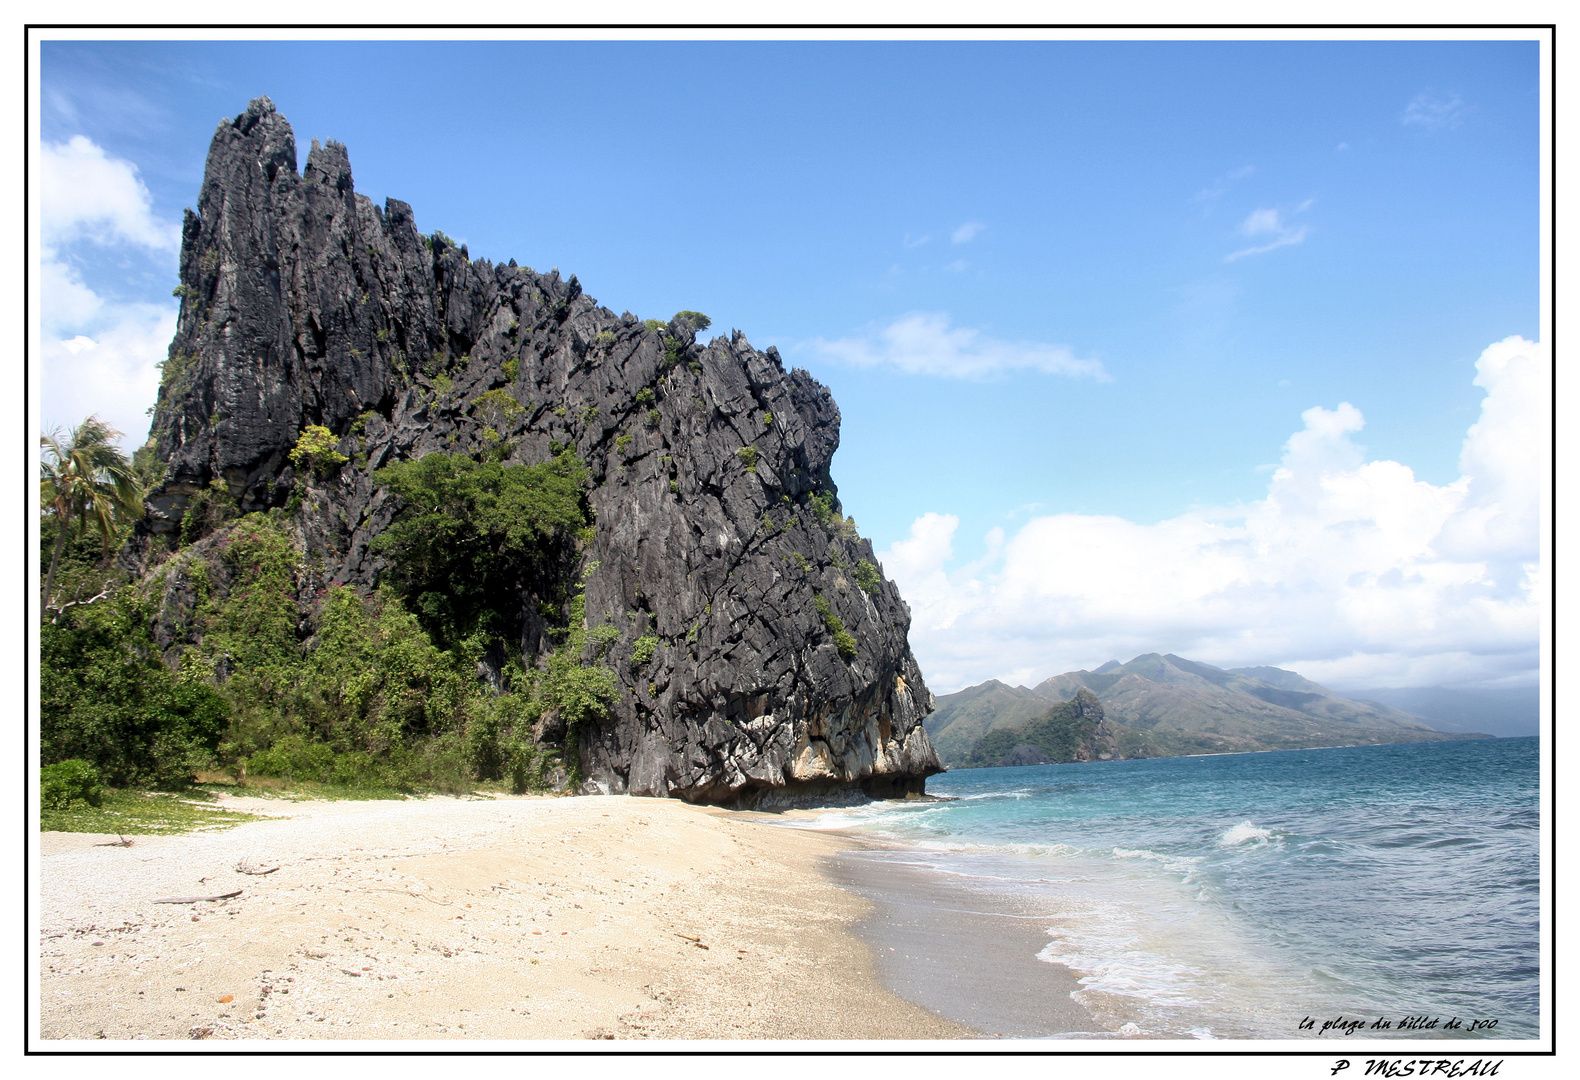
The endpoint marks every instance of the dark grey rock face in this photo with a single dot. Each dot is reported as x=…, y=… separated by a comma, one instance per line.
x=303, y=303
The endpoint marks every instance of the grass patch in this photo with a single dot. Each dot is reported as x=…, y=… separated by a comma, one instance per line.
x=274, y=787
x=142, y=813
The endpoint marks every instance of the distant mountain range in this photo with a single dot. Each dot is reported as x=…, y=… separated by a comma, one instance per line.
x=1507, y=713
x=1166, y=706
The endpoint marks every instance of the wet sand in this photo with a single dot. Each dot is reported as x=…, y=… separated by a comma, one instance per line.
x=960, y=953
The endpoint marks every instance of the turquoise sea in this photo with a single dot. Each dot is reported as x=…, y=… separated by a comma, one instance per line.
x=1238, y=896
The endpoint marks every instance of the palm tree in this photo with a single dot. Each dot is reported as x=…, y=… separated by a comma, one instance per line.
x=86, y=478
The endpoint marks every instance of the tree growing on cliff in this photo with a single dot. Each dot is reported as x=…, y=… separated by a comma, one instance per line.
x=86, y=479
x=471, y=535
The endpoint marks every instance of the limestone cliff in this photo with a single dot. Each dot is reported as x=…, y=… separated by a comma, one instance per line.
x=717, y=525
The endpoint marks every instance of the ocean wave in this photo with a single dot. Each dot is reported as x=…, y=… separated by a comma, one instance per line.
x=1133, y=973
x=1245, y=833
x=1183, y=864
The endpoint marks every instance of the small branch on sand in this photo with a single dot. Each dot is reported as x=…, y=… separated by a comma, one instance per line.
x=196, y=899
x=247, y=867
x=122, y=842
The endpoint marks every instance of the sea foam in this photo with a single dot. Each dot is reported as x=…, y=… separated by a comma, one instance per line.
x=1244, y=833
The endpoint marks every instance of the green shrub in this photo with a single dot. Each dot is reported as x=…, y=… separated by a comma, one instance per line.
x=823, y=507
x=654, y=325
x=604, y=337
x=512, y=368
x=642, y=649
x=72, y=780
x=644, y=396
x=653, y=418
x=694, y=319
x=315, y=452
x=621, y=442
x=844, y=641
x=580, y=687
x=748, y=454
x=868, y=578
x=206, y=511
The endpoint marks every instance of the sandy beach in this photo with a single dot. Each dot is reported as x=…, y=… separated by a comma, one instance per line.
x=442, y=918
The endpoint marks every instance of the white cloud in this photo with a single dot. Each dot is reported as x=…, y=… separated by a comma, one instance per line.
x=910, y=242
x=114, y=373
x=966, y=233
x=98, y=355
x=925, y=344
x=1433, y=111
x=1269, y=222
x=1350, y=571
x=84, y=193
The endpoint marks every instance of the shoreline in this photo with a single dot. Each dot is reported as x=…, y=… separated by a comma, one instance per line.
x=961, y=953
x=595, y=917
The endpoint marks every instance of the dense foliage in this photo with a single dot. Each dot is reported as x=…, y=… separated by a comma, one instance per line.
x=109, y=699
x=268, y=678
x=471, y=533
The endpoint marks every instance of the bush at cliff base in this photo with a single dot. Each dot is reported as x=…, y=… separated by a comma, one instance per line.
x=66, y=782
x=107, y=698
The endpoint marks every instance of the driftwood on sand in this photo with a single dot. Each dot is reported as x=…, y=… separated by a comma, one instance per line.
x=196, y=899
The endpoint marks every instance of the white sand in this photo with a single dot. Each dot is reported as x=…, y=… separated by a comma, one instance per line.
x=439, y=918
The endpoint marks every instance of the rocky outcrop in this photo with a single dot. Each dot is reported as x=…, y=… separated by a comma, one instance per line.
x=717, y=524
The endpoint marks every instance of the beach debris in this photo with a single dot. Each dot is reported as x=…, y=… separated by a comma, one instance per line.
x=122, y=842
x=250, y=866
x=694, y=940
x=196, y=899
x=227, y=999
x=200, y=1032
x=353, y=974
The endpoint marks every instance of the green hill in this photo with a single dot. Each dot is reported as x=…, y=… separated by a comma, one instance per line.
x=1164, y=705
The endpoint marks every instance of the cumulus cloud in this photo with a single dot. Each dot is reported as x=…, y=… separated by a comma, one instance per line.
x=1352, y=572
x=113, y=373
x=925, y=344
x=966, y=233
x=98, y=354
x=1432, y=111
x=1270, y=224
x=84, y=193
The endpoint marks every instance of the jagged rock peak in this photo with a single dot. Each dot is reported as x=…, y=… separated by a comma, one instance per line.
x=781, y=667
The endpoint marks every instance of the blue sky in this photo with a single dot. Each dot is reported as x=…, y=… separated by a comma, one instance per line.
x=1096, y=280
